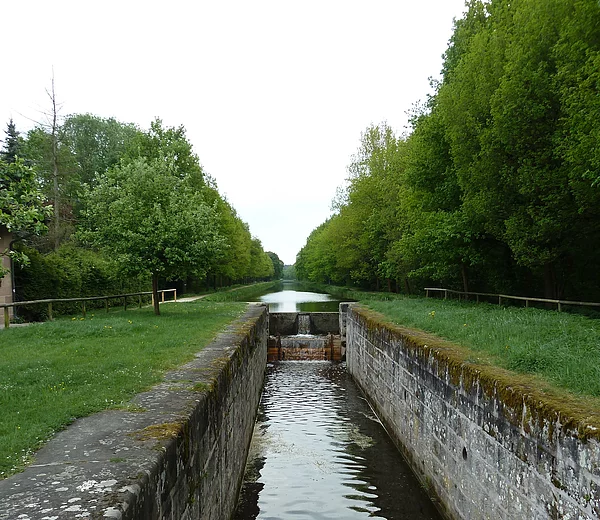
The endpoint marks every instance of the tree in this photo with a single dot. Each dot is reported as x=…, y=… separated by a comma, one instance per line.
x=23, y=208
x=95, y=143
x=12, y=144
x=166, y=144
x=277, y=265
x=151, y=215
x=261, y=267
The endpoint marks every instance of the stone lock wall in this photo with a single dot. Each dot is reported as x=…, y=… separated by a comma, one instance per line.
x=178, y=453
x=487, y=444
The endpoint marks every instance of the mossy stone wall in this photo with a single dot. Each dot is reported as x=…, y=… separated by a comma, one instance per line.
x=487, y=444
x=178, y=452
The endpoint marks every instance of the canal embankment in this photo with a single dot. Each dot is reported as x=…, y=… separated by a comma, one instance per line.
x=176, y=451
x=486, y=442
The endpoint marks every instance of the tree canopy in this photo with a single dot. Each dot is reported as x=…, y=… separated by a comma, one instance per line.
x=497, y=186
x=138, y=197
x=154, y=220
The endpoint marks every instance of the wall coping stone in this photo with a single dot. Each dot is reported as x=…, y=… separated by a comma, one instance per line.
x=107, y=464
x=577, y=416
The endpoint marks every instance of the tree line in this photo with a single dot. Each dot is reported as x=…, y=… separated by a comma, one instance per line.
x=497, y=185
x=95, y=204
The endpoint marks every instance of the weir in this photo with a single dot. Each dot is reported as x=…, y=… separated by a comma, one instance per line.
x=304, y=336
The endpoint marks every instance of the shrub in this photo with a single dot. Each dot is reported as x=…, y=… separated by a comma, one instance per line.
x=69, y=272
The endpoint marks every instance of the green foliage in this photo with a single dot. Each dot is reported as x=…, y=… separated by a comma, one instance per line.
x=352, y=246
x=22, y=206
x=148, y=188
x=12, y=144
x=69, y=272
x=261, y=267
x=289, y=272
x=277, y=265
x=72, y=368
x=153, y=219
x=96, y=144
x=22, y=209
x=496, y=188
x=165, y=144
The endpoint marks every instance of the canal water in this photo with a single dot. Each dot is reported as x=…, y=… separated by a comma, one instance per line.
x=318, y=450
x=292, y=300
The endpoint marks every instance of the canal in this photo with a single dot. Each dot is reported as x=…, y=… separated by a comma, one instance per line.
x=319, y=451
x=291, y=299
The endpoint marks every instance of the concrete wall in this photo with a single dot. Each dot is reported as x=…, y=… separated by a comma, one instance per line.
x=487, y=443
x=178, y=453
x=286, y=323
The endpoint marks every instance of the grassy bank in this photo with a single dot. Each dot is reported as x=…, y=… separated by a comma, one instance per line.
x=54, y=372
x=244, y=293
x=562, y=348
x=344, y=293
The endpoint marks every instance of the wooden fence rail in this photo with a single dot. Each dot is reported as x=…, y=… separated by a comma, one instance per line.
x=501, y=297
x=6, y=306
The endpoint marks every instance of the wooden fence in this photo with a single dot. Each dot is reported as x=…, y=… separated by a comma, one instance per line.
x=6, y=306
x=501, y=297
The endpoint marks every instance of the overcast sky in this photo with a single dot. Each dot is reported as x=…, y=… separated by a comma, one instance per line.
x=274, y=94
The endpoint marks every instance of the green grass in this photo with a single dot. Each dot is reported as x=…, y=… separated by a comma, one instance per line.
x=55, y=372
x=562, y=348
x=244, y=293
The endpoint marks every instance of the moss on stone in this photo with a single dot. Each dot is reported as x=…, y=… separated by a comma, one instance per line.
x=161, y=431
x=546, y=405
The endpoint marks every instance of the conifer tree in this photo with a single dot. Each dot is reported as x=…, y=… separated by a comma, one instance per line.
x=12, y=144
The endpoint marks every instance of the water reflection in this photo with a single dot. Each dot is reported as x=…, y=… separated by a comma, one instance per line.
x=291, y=300
x=319, y=452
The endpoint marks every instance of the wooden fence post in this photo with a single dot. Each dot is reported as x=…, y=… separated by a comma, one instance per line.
x=140, y=300
x=559, y=308
x=124, y=303
x=106, y=304
x=50, y=317
x=83, y=308
x=163, y=296
x=6, y=318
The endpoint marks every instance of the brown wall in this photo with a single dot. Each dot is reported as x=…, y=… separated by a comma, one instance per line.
x=6, y=282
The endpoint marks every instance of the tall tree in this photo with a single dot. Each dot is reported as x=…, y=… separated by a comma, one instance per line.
x=277, y=265
x=153, y=218
x=96, y=143
x=23, y=209
x=12, y=143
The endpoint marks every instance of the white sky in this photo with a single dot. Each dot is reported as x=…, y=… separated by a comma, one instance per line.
x=274, y=94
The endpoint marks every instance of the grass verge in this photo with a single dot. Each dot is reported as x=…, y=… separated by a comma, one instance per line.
x=55, y=372
x=562, y=348
x=244, y=293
